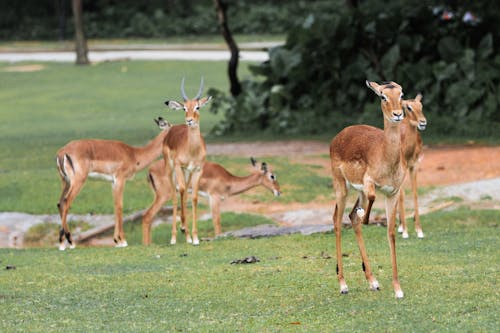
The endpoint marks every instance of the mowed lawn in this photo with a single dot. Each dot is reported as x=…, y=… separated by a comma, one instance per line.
x=450, y=280
x=43, y=110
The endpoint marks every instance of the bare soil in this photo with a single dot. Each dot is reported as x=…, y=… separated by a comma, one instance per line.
x=441, y=166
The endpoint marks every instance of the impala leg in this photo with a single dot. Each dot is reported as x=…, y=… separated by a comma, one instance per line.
x=338, y=213
x=196, y=183
x=119, y=235
x=162, y=194
x=391, y=207
x=71, y=189
x=418, y=226
x=358, y=215
x=215, y=208
x=184, y=201
x=403, y=228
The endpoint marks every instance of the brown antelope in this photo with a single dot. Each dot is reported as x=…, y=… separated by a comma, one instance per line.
x=114, y=161
x=368, y=158
x=184, y=152
x=412, y=153
x=215, y=181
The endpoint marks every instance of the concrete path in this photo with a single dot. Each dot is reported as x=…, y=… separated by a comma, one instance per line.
x=98, y=56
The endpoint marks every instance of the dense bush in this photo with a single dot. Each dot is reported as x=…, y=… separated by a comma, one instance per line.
x=315, y=82
x=52, y=19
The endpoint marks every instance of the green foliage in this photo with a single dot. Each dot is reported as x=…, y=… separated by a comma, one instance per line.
x=48, y=19
x=450, y=281
x=315, y=82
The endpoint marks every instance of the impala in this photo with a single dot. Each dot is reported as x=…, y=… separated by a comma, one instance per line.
x=412, y=153
x=114, y=161
x=216, y=182
x=368, y=158
x=184, y=152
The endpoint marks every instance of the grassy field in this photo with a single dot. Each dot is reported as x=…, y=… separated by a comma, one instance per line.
x=450, y=283
x=41, y=111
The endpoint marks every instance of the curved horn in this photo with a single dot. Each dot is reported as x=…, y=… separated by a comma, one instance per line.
x=183, y=92
x=198, y=95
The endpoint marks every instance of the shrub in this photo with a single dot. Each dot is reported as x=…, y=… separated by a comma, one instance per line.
x=316, y=80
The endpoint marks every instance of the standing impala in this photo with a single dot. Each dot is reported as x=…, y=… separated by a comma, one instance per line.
x=216, y=181
x=184, y=152
x=368, y=158
x=412, y=152
x=114, y=161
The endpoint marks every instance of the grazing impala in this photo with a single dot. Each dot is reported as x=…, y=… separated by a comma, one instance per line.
x=114, y=161
x=184, y=154
x=216, y=181
x=412, y=153
x=368, y=158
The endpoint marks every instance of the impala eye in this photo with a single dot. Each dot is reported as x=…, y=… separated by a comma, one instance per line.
x=273, y=177
x=384, y=98
x=409, y=108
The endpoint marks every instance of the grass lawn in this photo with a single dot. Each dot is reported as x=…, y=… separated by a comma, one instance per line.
x=449, y=278
x=42, y=111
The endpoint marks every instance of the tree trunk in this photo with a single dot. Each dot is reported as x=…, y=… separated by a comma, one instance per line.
x=80, y=41
x=220, y=8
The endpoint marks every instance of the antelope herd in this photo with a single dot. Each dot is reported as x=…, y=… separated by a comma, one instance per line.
x=364, y=158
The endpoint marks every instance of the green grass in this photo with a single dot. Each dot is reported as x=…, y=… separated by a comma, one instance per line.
x=449, y=278
x=42, y=111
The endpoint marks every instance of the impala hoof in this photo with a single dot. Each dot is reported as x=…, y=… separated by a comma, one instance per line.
x=405, y=235
x=122, y=244
x=72, y=246
x=173, y=241
x=400, y=229
x=189, y=240
x=62, y=247
x=374, y=286
x=399, y=294
x=420, y=234
x=344, y=290
x=196, y=241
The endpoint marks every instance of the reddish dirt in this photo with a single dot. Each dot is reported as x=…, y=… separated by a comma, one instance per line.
x=441, y=165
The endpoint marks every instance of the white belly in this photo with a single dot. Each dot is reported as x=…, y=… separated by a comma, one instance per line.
x=102, y=176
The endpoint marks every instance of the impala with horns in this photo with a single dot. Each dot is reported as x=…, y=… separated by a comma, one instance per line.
x=414, y=122
x=110, y=160
x=367, y=158
x=184, y=153
x=216, y=182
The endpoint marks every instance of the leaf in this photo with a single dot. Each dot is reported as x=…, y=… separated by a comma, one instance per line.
x=485, y=47
x=449, y=48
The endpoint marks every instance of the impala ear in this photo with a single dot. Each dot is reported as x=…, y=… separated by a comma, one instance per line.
x=174, y=105
x=204, y=100
x=418, y=98
x=373, y=86
x=263, y=167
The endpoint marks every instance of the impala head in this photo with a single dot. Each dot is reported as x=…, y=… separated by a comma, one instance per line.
x=269, y=179
x=191, y=106
x=162, y=123
x=391, y=95
x=414, y=112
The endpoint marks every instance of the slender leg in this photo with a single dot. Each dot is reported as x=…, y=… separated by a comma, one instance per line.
x=403, y=228
x=390, y=208
x=162, y=194
x=184, y=201
x=340, y=197
x=119, y=235
x=215, y=208
x=71, y=190
x=369, y=193
x=357, y=215
x=418, y=226
x=196, y=183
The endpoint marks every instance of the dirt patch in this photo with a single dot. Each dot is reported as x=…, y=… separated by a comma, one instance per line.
x=24, y=68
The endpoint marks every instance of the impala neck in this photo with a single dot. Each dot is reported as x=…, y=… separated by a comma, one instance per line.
x=392, y=141
x=146, y=154
x=242, y=184
x=195, y=142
